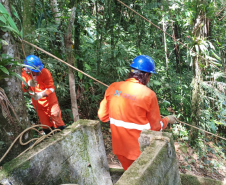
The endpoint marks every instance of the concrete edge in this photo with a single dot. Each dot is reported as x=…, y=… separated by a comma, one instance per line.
x=8, y=167
x=186, y=179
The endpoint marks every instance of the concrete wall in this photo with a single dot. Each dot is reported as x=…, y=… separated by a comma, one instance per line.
x=186, y=179
x=153, y=166
x=195, y=180
x=74, y=156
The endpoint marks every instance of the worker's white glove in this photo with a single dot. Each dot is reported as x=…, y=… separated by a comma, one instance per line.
x=172, y=119
x=37, y=96
x=32, y=83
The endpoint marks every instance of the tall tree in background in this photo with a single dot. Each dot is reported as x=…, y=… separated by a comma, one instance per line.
x=70, y=60
x=13, y=89
x=28, y=24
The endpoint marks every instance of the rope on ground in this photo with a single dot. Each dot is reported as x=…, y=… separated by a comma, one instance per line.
x=166, y=33
x=64, y=62
x=37, y=140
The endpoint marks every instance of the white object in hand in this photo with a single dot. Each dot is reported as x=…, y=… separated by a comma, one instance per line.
x=32, y=83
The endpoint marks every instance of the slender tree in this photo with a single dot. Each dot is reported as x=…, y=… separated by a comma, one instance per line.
x=13, y=89
x=70, y=60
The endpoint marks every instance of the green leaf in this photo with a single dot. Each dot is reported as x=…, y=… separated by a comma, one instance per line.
x=11, y=29
x=217, y=122
x=4, y=42
x=2, y=19
x=18, y=76
x=156, y=82
x=80, y=75
x=87, y=67
x=15, y=12
x=6, y=15
x=4, y=70
x=217, y=57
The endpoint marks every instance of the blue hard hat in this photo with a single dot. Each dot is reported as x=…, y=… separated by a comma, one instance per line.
x=143, y=63
x=34, y=62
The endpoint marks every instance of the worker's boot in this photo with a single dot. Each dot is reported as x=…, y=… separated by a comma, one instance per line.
x=48, y=130
x=61, y=127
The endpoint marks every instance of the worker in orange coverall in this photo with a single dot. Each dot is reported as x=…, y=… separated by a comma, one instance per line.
x=41, y=90
x=131, y=106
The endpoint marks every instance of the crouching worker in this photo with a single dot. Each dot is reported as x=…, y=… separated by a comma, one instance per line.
x=131, y=106
x=41, y=90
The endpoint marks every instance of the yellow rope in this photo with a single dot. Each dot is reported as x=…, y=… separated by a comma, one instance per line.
x=37, y=140
x=201, y=129
x=64, y=62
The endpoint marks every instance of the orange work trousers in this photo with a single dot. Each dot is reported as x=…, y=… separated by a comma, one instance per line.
x=124, y=161
x=50, y=116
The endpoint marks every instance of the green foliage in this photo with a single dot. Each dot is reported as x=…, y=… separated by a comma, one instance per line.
x=7, y=65
x=7, y=23
x=106, y=41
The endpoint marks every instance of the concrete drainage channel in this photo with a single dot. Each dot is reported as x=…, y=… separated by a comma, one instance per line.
x=76, y=156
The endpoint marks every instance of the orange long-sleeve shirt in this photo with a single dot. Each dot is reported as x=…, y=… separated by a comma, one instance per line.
x=130, y=107
x=44, y=84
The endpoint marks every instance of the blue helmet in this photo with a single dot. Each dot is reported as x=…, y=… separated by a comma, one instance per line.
x=143, y=63
x=35, y=62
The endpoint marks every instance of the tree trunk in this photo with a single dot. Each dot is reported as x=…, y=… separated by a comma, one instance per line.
x=28, y=25
x=111, y=26
x=165, y=44
x=98, y=40
x=70, y=60
x=77, y=40
x=13, y=89
x=195, y=116
x=198, y=33
x=55, y=10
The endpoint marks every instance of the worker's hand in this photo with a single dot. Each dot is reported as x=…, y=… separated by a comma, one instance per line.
x=172, y=119
x=32, y=83
x=37, y=96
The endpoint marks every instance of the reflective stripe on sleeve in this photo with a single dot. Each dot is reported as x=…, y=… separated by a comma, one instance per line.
x=128, y=125
x=161, y=125
x=32, y=93
x=51, y=89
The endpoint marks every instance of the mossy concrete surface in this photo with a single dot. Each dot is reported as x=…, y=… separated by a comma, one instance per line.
x=186, y=179
x=74, y=156
x=195, y=180
x=153, y=166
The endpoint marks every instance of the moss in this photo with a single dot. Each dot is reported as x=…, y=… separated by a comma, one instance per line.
x=9, y=167
x=24, y=163
x=116, y=170
x=194, y=180
x=183, y=149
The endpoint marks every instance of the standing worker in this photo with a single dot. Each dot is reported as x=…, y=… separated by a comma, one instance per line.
x=41, y=88
x=131, y=106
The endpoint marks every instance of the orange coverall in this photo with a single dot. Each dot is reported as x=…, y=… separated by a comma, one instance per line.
x=130, y=107
x=46, y=107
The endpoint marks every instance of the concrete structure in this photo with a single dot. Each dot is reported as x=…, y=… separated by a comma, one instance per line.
x=157, y=163
x=74, y=156
x=186, y=179
x=77, y=156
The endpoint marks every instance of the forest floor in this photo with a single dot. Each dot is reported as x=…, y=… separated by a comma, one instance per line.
x=211, y=165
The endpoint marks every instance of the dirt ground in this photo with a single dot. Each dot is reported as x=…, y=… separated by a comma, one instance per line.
x=188, y=160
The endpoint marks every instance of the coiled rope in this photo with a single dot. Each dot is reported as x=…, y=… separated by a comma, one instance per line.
x=37, y=140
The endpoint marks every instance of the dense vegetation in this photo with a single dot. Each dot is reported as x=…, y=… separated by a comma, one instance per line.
x=106, y=36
